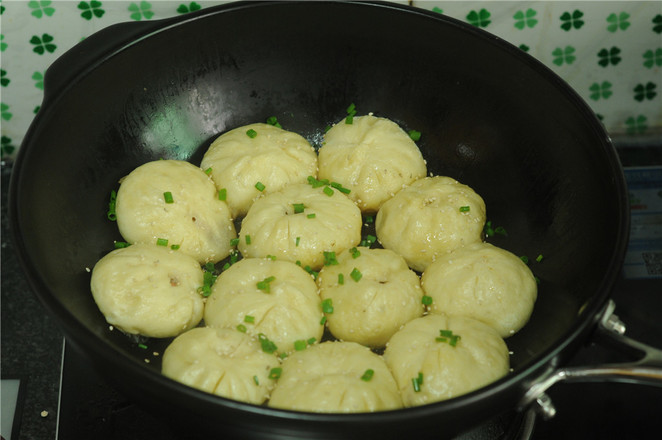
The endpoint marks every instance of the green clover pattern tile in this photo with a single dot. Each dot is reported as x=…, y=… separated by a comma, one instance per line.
x=609, y=52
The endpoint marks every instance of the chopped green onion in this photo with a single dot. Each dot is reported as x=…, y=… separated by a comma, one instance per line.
x=209, y=266
x=327, y=306
x=256, y=380
x=367, y=375
x=351, y=108
x=414, y=135
x=162, y=242
x=121, y=244
x=341, y=279
x=356, y=275
x=311, y=215
x=223, y=194
x=330, y=259
x=298, y=208
x=208, y=171
x=275, y=373
x=260, y=186
x=112, y=215
x=267, y=345
x=300, y=345
x=271, y=257
x=143, y=346
x=355, y=252
x=226, y=266
x=449, y=337
x=427, y=300
x=272, y=120
x=311, y=341
x=323, y=320
x=249, y=319
x=327, y=128
x=247, y=238
x=264, y=285
x=417, y=382
x=251, y=133
x=317, y=183
x=283, y=355
x=465, y=208
x=539, y=258
x=328, y=191
x=351, y=111
x=167, y=196
x=175, y=247
x=525, y=259
x=296, y=241
x=234, y=241
x=340, y=188
x=234, y=256
x=537, y=279
x=369, y=219
x=241, y=328
x=310, y=271
x=368, y=241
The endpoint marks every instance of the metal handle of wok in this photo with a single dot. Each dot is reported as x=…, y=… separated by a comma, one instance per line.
x=647, y=370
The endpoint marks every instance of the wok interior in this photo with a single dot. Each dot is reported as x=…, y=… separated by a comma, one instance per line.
x=489, y=117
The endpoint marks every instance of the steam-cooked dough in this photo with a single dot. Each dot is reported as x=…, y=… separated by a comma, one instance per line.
x=479, y=358
x=326, y=378
x=196, y=220
x=368, y=311
x=484, y=282
x=429, y=218
x=274, y=157
x=373, y=157
x=279, y=298
x=148, y=290
x=221, y=361
x=325, y=223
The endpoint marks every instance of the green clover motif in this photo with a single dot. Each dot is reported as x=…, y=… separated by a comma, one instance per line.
x=6, y=146
x=91, y=9
x=636, y=125
x=38, y=77
x=3, y=45
x=647, y=91
x=565, y=55
x=572, y=20
x=602, y=90
x=183, y=8
x=4, y=112
x=140, y=11
x=609, y=56
x=438, y=10
x=524, y=47
x=525, y=19
x=43, y=44
x=480, y=18
x=3, y=78
x=653, y=58
x=41, y=8
x=617, y=22
x=657, y=24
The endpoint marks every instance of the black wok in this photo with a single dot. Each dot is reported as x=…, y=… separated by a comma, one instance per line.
x=491, y=117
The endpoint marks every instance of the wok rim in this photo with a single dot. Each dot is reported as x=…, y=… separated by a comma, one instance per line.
x=534, y=370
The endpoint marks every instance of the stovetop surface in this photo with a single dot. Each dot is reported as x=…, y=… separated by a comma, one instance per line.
x=90, y=408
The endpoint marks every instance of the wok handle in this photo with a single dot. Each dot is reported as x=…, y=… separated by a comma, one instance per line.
x=645, y=371
x=92, y=51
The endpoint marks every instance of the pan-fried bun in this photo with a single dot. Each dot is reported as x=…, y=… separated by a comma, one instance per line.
x=439, y=356
x=175, y=201
x=484, y=282
x=373, y=293
x=300, y=223
x=429, y=218
x=221, y=361
x=373, y=157
x=148, y=290
x=277, y=299
x=244, y=156
x=335, y=377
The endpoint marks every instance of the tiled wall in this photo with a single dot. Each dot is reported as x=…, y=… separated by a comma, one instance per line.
x=610, y=52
